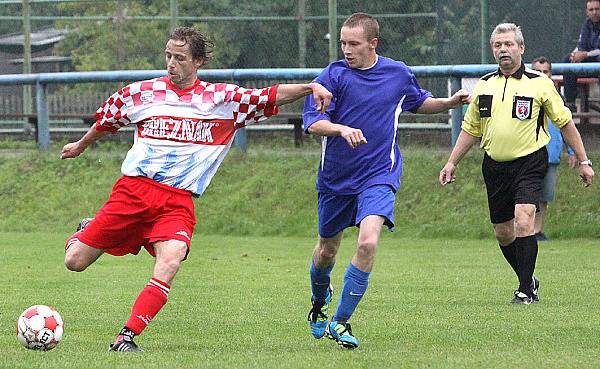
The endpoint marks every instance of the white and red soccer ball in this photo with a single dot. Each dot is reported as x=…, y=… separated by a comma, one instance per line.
x=40, y=327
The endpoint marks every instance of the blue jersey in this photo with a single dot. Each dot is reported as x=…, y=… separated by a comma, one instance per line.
x=556, y=144
x=370, y=100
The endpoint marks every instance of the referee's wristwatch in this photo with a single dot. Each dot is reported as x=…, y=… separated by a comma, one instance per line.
x=586, y=162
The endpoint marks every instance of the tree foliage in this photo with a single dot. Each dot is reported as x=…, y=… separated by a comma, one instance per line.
x=451, y=37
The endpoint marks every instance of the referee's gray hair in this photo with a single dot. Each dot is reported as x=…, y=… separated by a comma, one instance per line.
x=505, y=28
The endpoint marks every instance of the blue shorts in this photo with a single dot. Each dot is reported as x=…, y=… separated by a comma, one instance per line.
x=549, y=183
x=338, y=212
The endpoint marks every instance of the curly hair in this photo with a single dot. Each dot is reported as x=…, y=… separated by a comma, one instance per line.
x=200, y=45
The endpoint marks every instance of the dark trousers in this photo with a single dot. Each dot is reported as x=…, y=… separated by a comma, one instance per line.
x=570, y=80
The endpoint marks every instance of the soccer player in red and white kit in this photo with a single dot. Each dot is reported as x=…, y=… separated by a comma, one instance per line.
x=184, y=129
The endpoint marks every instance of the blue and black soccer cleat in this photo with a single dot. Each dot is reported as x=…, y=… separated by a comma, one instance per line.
x=317, y=316
x=342, y=334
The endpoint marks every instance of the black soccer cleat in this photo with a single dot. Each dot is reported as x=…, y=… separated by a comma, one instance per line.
x=521, y=298
x=124, y=342
x=84, y=223
x=535, y=287
x=124, y=346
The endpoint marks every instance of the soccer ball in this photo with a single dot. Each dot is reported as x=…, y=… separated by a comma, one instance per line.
x=40, y=327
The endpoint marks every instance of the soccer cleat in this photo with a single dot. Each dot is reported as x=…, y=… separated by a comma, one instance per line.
x=535, y=286
x=124, y=346
x=317, y=316
x=521, y=298
x=342, y=334
x=124, y=342
x=84, y=223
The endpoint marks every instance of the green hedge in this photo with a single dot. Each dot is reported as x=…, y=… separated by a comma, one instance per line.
x=271, y=191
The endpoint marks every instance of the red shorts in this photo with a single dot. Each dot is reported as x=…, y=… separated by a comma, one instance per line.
x=138, y=213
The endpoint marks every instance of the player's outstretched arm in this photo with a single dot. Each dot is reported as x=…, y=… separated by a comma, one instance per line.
x=286, y=93
x=74, y=149
x=463, y=144
x=433, y=105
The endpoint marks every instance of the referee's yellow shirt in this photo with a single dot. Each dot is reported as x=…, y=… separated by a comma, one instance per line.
x=508, y=113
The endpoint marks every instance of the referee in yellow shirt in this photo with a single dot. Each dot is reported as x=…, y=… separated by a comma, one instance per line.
x=508, y=113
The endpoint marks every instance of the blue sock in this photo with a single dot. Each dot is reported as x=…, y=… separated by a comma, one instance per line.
x=320, y=279
x=355, y=286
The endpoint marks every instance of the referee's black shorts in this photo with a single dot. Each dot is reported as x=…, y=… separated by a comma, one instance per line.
x=513, y=182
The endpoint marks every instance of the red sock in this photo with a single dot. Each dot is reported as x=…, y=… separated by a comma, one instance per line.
x=152, y=298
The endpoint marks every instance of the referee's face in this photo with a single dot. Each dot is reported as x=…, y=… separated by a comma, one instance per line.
x=507, y=52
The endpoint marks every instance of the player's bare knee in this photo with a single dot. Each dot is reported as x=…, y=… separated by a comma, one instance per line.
x=504, y=236
x=327, y=253
x=166, y=268
x=366, y=248
x=327, y=248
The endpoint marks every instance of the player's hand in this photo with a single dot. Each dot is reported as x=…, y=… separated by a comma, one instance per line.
x=322, y=96
x=587, y=175
x=353, y=136
x=572, y=161
x=447, y=174
x=71, y=150
x=459, y=98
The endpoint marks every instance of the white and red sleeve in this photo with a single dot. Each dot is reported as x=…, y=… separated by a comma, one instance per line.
x=251, y=105
x=112, y=114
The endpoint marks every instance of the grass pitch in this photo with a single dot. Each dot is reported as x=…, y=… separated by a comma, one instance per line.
x=242, y=303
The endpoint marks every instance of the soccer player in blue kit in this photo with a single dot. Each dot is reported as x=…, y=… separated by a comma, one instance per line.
x=361, y=164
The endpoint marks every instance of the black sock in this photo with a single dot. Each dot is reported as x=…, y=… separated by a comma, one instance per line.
x=510, y=254
x=127, y=334
x=527, y=249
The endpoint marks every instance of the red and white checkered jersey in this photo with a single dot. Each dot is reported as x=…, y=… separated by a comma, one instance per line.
x=182, y=136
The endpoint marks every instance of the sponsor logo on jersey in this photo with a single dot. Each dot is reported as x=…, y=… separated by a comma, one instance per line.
x=187, y=130
x=146, y=97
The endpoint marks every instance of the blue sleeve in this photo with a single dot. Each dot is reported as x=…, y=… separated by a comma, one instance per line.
x=414, y=95
x=310, y=114
x=584, y=38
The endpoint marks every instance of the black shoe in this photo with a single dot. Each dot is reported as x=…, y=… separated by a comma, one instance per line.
x=535, y=286
x=84, y=223
x=122, y=345
x=540, y=236
x=521, y=298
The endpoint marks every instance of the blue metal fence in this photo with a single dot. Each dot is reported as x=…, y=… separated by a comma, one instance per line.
x=453, y=72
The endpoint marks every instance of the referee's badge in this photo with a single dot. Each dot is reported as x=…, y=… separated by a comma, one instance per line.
x=522, y=107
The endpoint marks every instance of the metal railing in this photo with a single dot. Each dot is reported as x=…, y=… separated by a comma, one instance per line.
x=453, y=72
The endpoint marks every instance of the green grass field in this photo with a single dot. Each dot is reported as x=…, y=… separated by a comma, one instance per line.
x=241, y=302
